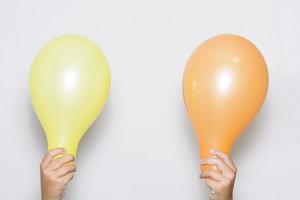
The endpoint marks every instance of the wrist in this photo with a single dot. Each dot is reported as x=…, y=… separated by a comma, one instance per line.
x=230, y=198
x=44, y=197
x=224, y=198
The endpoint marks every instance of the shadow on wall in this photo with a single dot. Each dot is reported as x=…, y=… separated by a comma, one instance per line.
x=37, y=131
x=189, y=140
x=189, y=134
x=251, y=134
x=93, y=136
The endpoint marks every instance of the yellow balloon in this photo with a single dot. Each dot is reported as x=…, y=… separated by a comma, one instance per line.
x=69, y=84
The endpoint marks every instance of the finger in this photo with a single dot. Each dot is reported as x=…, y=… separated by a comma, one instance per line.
x=50, y=155
x=67, y=178
x=211, y=183
x=212, y=174
x=65, y=170
x=225, y=158
x=57, y=163
x=215, y=161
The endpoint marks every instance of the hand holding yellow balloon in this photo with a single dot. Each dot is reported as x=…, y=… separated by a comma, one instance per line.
x=69, y=84
x=224, y=85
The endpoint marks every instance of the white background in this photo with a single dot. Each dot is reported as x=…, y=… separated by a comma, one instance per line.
x=143, y=147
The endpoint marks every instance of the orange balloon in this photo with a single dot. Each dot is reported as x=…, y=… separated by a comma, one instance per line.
x=224, y=85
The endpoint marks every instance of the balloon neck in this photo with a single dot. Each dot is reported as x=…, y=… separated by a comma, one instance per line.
x=71, y=148
x=204, y=150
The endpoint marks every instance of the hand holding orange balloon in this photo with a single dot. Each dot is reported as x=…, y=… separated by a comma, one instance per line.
x=224, y=85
